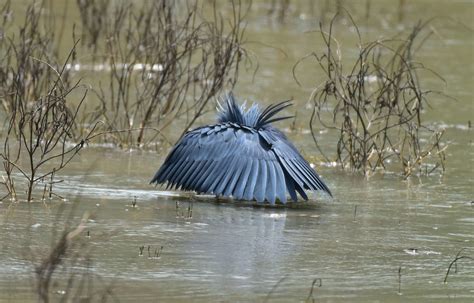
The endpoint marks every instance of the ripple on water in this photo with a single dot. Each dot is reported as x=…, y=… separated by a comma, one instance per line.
x=417, y=252
x=466, y=220
x=80, y=188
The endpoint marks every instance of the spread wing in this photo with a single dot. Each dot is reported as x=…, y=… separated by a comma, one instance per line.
x=232, y=160
x=292, y=162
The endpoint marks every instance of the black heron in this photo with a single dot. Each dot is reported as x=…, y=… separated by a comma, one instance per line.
x=242, y=156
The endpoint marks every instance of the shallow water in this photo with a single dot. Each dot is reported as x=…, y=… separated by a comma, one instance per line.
x=380, y=239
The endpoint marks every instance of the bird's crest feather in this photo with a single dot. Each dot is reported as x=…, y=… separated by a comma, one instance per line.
x=253, y=117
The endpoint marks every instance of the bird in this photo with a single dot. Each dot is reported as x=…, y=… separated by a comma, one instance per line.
x=242, y=156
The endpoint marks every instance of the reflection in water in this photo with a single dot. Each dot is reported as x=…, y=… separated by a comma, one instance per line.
x=242, y=251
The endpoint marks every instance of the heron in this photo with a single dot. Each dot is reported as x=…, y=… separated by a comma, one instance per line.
x=242, y=156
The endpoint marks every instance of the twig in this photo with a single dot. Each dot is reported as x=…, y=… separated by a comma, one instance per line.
x=454, y=262
x=310, y=295
x=275, y=287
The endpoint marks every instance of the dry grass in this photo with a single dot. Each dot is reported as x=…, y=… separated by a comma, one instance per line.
x=376, y=105
x=160, y=61
x=40, y=118
x=166, y=61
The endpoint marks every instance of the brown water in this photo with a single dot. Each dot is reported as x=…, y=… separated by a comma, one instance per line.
x=355, y=243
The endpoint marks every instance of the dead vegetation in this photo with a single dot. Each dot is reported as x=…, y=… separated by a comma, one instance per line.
x=376, y=105
x=40, y=119
x=166, y=61
x=163, y=61
x=454, y=262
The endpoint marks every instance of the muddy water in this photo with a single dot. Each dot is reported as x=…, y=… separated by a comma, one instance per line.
x=383, y=239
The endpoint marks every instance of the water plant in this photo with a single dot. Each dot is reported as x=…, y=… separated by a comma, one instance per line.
x=376, y=105
x=165, y=60
x=318, y=282
x=454, y=262
x=40, y=119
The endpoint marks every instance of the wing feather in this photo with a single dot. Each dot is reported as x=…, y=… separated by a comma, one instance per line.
x=293, y=163
x=195, y=172
x=185, y=155
x=317, y=183
x=271, y=183
x=261, y=181
x=300, y=190
x=234, y=178
x=232, y=160
x=173, y=163
x=214, y=176
x=291, y=171
x=184, y=179
x=290, y=185
x=307, y=178
x=280, y=184
x=176, y=181
x=242, y=182
x=175, y=172
x=252, y=181
x=199, y=185
x=222, y=183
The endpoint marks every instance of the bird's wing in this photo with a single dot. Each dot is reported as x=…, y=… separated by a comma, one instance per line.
x=225, y=159
x=292, y=162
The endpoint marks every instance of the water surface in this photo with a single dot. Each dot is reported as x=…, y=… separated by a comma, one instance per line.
x=380, y=239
